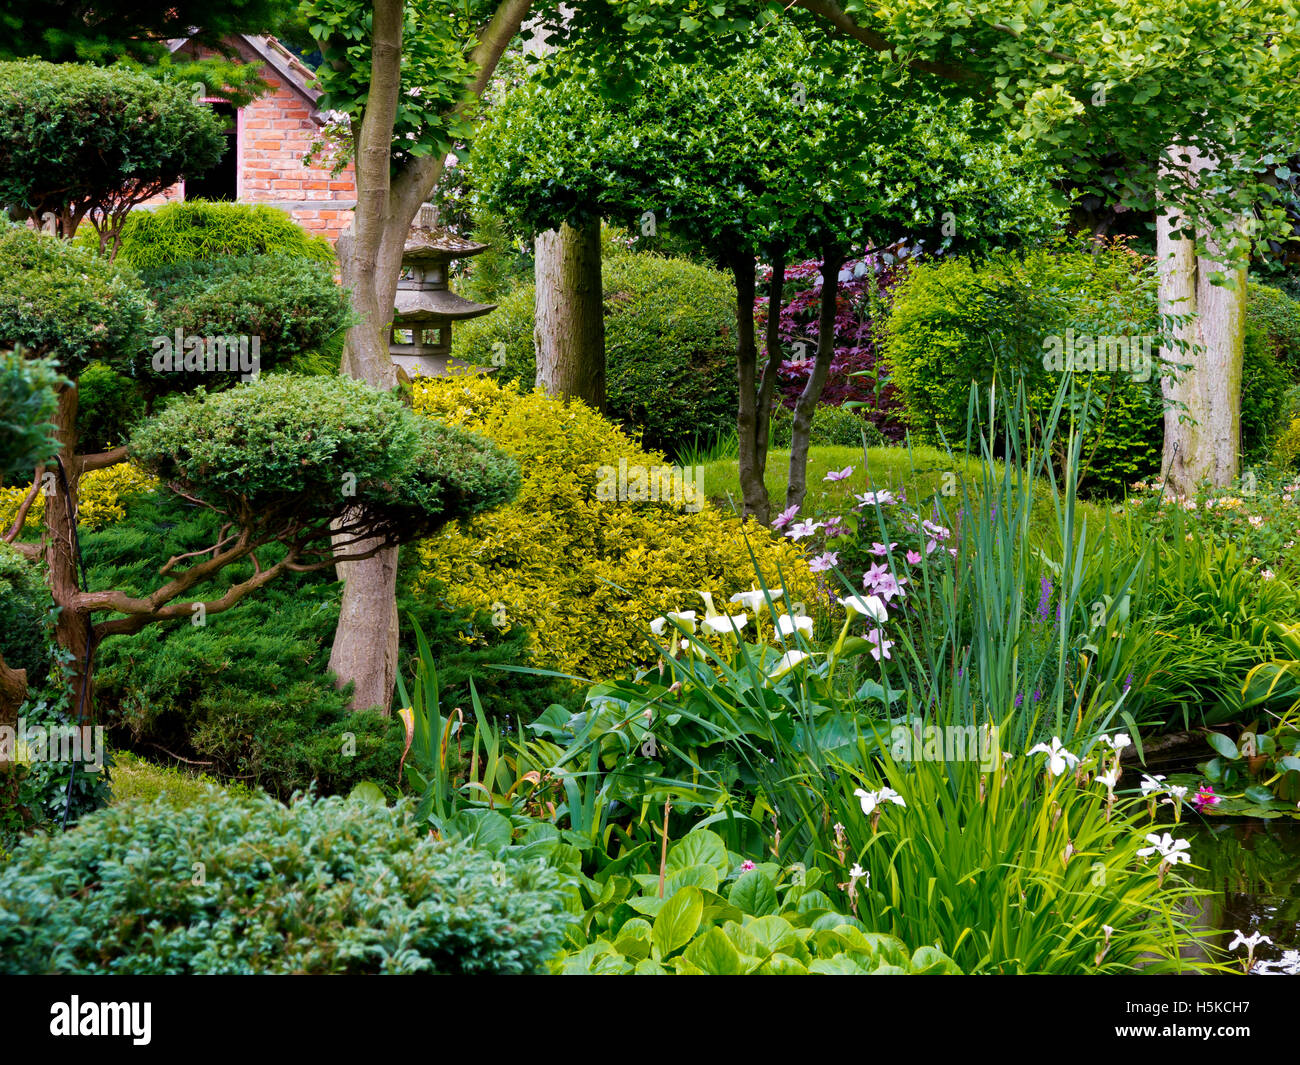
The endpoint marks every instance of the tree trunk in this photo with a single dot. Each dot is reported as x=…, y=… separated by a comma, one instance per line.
x=72, y=629
x=570, y=315
x=1202, y=441
x=364, y=652
x=13, y=691
x=806, y=406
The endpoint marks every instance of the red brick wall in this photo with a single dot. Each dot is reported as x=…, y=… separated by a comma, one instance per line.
x=274, y=133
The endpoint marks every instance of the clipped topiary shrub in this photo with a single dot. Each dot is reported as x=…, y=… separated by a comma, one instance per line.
x=291, y=305
x=68, y=303
x=330, y=886
x=951, y=322
x=204, y=230
x=586, y=574
x=669, y=344
x=248, y=694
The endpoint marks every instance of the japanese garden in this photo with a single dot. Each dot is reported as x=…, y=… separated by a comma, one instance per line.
x=650, y=487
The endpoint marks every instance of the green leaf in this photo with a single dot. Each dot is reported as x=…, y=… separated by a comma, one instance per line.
x=1259, y=793
x=700, y=848
x=754, y=894
x=1223, y=745
x=677, y=920
x=714, y=954
x=368, y=791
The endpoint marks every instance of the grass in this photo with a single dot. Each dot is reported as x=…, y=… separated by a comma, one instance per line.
x=919, y=472
x=134, y=778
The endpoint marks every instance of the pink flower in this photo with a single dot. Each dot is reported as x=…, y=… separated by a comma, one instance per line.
x=913, y=557
x=888, y=587
x=782, y=519
x=801, y=529
x=882, y=646
x=840, y=475
x=879, y=549
x=874, y=574
x=823, y=562
x=747, y=865
x=1205, y=797
x=882, y=498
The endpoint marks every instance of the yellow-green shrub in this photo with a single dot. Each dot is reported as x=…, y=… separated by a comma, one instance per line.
x=586, y=575
x=104, y=495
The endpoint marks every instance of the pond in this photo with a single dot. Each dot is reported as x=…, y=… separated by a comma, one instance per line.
x=1253, y=866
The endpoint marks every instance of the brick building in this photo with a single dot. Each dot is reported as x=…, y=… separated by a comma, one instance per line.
x=268, y=139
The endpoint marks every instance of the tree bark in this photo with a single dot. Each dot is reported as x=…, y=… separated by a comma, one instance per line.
x=806, y=405
x=13, y=691
x=364, y=652
x=1202, y=441
x=570, y=316
x=72, y=627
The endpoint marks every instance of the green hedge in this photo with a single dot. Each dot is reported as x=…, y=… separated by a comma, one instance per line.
x=291, y=304
x=68, y=303
x=235, y=885
x=831, y=427
x=669, y=343
x=204, y=230
x=950, y=323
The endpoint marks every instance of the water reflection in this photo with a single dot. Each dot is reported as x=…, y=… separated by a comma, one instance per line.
x=1254, y=869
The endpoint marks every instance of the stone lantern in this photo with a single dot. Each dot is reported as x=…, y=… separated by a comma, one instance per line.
x=425, y=307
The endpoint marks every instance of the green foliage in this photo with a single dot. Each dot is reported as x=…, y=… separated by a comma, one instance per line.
x=68, y=304
x=1278, y=317
x=249, y=692
x=135, y=778
x=954, y=323
x=291, y=304
x=585, y=574
x=203, y=230
x=717, y=916
x=109, y=404
x=436, y=44
x=82, y=141
x=24, y=605
x=27, y=406
x=1270, y=363
x=669, y=344
x=831, y=427
x=279, y=893
x=65, y=30
x=724, y=151
x=321, y=445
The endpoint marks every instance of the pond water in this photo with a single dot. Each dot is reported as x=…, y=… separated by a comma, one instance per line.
x=1253, y=866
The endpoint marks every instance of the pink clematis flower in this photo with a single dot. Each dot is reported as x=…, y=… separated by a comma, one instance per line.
x=784, y=518
x=823, y=562
x=913, y=557
x=839, y=475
